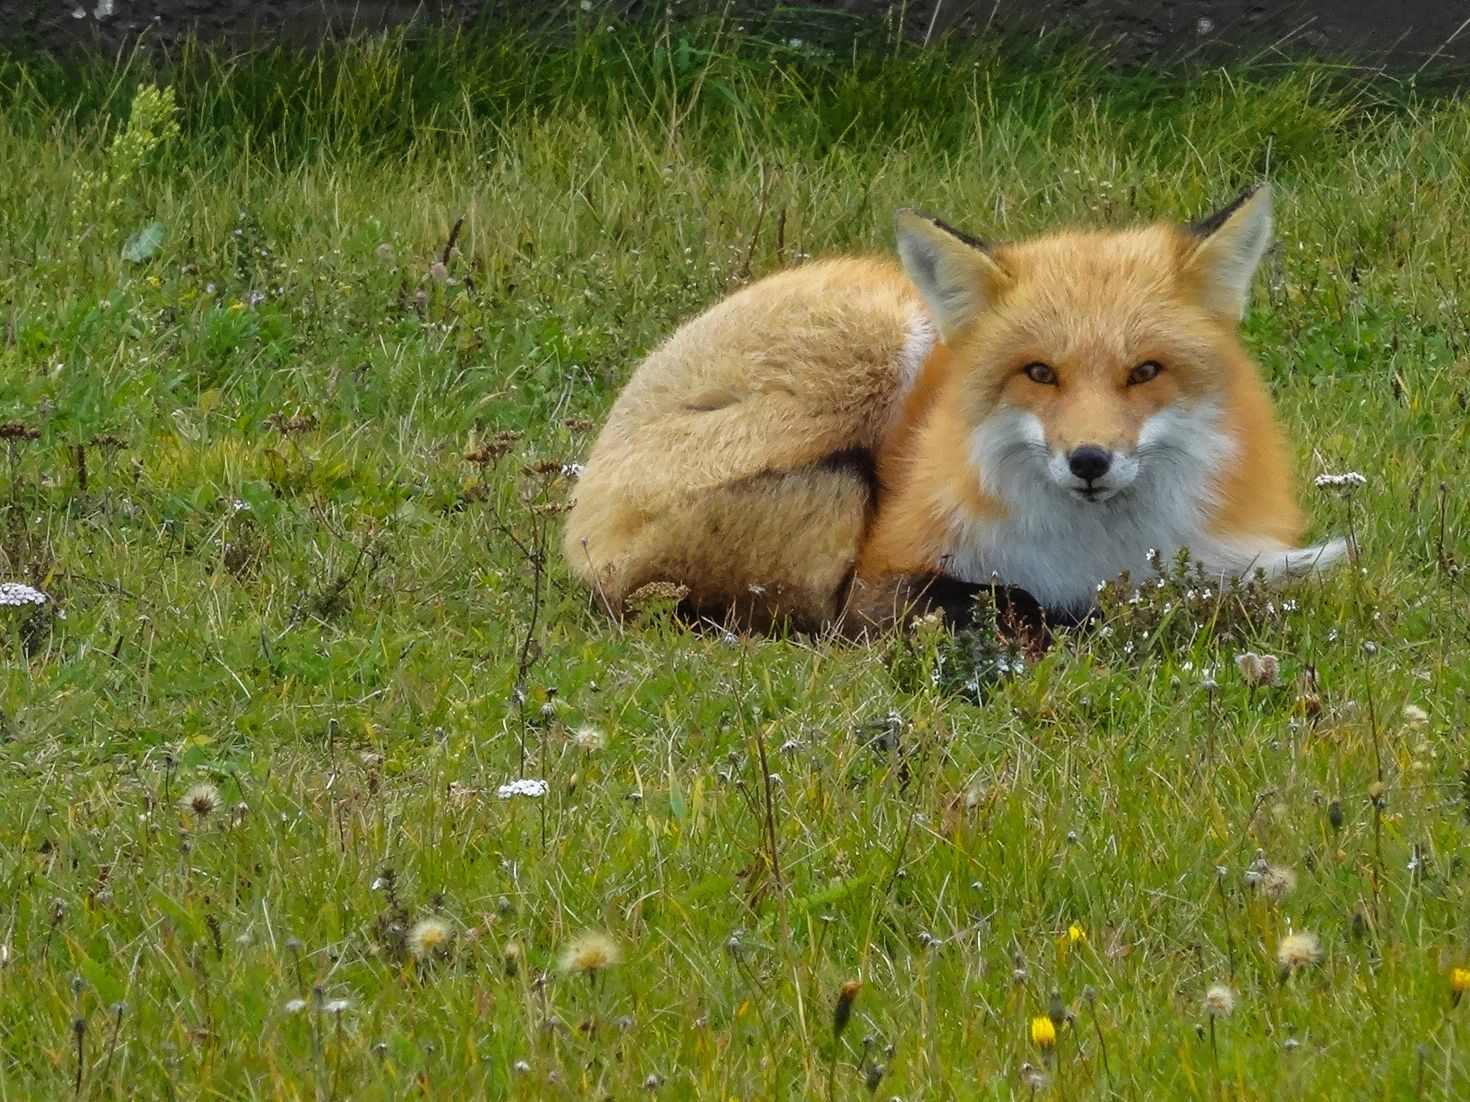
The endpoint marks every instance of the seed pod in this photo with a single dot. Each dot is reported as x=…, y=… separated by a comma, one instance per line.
x=842, y=1014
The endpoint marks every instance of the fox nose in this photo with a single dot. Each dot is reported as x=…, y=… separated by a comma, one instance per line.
x=1089, y=462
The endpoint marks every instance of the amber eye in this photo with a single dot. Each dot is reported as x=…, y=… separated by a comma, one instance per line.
x=1040, y=373
x=1145, y=372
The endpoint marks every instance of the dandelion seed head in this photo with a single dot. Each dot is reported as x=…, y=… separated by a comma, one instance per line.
x=430, y=937
x=589, y=738
x=202, y=799
x=1258, y=669
x=1278, y=882
x=590, y=952
x=1219, y=1001
x=1298, y=950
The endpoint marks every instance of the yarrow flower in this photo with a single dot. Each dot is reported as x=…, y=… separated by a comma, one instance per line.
x=1296, y=951
x=17, y=594
x=1347, y=480
x=531, y=787
x=430, y=937
x=590, y=953
x=1219, y=1001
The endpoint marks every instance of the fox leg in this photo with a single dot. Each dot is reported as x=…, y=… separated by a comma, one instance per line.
x=875, y=606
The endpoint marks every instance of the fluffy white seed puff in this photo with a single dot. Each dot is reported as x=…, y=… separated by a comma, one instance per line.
x=1219, y=1001
x=1296, y=951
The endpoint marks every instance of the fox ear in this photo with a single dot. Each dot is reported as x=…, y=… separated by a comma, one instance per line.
x=1230, y=245
x=954, y=273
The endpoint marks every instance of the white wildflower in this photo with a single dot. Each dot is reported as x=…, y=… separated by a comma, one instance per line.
x=17, y=594
x=1347, y=480
x=531, y=787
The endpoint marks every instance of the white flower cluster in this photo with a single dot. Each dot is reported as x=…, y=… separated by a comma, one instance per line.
x=1348, y=480
x=16, y=594
x=528, y=786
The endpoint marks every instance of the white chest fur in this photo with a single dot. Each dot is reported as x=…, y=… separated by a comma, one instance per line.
x=1061, y=548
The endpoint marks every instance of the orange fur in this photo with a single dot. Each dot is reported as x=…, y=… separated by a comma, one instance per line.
x=796, y=445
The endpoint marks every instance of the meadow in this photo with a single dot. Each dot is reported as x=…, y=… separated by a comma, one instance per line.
x=319, y=779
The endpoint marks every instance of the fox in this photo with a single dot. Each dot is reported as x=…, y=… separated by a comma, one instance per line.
x=854, y=440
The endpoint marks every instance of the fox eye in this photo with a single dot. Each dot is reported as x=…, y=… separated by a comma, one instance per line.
x=1040, y=373
x=1145, y=372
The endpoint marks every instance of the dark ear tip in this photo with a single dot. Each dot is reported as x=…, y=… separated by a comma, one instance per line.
x=1203, y=227
x=959, y=235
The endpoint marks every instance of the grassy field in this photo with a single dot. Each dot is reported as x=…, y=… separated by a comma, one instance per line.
x=290, y=367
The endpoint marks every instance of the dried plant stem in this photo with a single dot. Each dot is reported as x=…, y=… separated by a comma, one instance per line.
x=1365, y=655
x=1229, y=933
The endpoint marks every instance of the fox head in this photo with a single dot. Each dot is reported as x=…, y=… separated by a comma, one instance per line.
x=1091, y=364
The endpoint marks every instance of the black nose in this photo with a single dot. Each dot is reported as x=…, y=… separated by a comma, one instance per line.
x=1089, y=462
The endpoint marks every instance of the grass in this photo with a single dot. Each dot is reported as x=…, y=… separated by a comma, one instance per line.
x=239, y=467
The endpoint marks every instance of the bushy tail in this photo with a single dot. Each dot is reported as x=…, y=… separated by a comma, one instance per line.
x=1280, y=564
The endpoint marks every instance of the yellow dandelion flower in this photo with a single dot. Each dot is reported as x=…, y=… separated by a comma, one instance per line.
x=1043, y=1031
x=590, y=953
x=1459, y=983
x=1076, y=935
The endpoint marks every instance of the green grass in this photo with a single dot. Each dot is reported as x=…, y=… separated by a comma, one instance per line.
x=326, y=619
